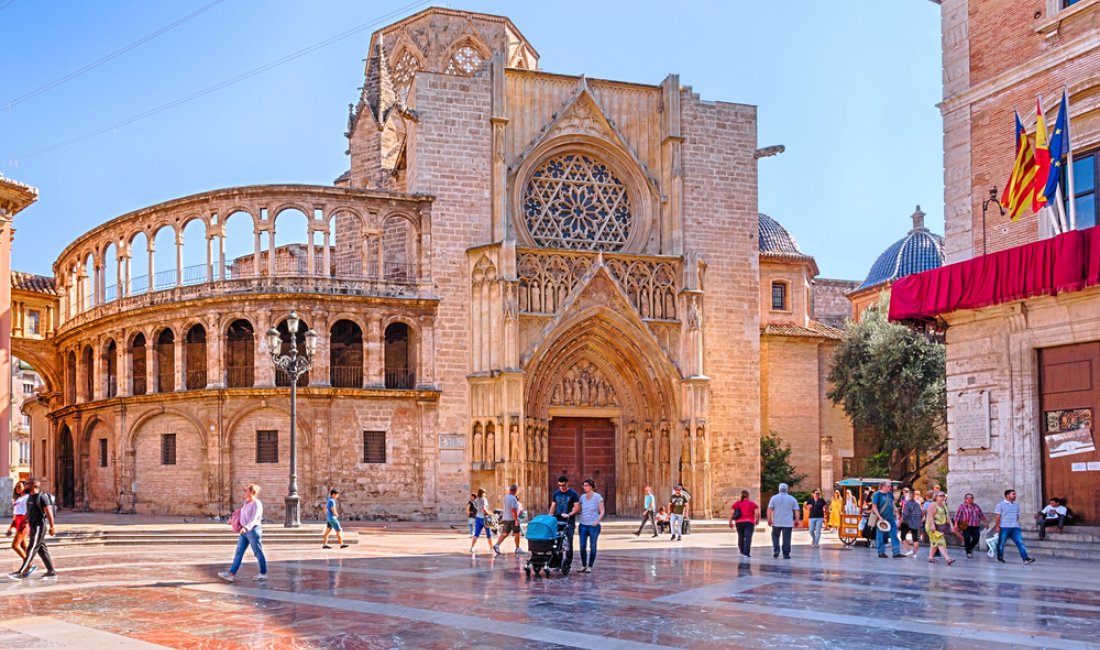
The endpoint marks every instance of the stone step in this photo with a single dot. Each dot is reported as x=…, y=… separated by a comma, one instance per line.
x=116, y=537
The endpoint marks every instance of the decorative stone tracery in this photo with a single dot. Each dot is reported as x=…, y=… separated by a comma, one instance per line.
x=464, y=62
x=584, y=385
x=576, y=201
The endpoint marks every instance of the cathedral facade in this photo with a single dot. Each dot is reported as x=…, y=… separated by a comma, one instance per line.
x=522, y=274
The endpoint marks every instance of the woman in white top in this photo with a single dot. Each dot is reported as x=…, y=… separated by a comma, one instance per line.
x=251, y=518
x=19, y=519
x=592, y=511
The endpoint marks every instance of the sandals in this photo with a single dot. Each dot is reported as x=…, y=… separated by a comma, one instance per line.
x=932, y=560
x=951, y=561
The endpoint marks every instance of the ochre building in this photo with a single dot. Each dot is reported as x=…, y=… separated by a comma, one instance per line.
x=522, y=274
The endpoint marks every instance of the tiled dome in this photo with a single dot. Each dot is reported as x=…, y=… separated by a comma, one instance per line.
x=918, y=251
x=775, y=239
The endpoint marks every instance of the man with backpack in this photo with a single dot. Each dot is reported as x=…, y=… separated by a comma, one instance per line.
x=40, y=507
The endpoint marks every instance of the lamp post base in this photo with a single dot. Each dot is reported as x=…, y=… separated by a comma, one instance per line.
x=293, y=511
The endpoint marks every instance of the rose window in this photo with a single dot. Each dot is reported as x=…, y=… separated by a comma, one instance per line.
x=574, y=201
x=404, y=68
x=464, y=62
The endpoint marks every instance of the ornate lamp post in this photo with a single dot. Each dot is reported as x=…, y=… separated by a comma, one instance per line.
x=294, y=366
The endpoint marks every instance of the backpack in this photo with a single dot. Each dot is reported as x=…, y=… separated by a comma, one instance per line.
x=471, y=509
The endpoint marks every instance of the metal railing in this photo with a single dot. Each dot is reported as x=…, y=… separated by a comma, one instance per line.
x=346, y=376
x=400, y=378
x=240, y=376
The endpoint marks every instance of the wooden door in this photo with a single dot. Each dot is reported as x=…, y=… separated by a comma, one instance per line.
x=583, y=448
x=1069, y=383
x=66, y=470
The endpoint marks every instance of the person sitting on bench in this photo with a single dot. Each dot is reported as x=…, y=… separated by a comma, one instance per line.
x=1054, y=513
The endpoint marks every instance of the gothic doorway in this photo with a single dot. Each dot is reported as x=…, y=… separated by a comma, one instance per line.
x=66, y=469
x=583, y=448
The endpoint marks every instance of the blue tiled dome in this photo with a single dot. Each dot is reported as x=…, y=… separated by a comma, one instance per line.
x=774, y=238
x=918, y=251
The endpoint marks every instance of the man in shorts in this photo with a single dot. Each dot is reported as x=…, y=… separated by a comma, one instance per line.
x=332, y=520
x=509, y=520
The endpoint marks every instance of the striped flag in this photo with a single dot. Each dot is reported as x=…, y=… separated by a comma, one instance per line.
x=1042, y=161
x=1020, y=189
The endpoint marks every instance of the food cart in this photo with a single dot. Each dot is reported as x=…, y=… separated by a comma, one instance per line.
x=851, y=525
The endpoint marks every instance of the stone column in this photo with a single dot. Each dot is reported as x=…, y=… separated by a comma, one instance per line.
x=179, y=258
x=375, y=350
x=327, y=256
x=178, y=374
x=152, y=266
x=319, y=374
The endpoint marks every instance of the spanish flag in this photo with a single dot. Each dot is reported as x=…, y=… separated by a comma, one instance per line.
x=1042, y=160
x=1020, y=189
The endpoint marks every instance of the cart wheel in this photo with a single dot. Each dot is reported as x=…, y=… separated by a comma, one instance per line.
x=848, y=541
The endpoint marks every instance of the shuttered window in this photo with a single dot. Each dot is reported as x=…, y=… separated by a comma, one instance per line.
x=374, y=446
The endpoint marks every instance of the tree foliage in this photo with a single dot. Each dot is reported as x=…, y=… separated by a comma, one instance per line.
x=892, y=380
x=775, y=464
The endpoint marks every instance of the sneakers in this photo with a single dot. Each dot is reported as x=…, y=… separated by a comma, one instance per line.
x=897, y=555
x=970, y=556
x=637, y=533
x=326, y=546
x=520, y=551
x=50, y=574
x=654, y=535
x=1030, y=560
x=775, y=554
x=260, y=577
x=227, y=576
x=909, y=554
x=15, y=575
x=496, y=550
x=343, y=546
x=30, y=571
x=882, y=555
x=1001, y=560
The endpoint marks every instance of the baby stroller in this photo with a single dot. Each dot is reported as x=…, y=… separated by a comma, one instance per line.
x=545, y=538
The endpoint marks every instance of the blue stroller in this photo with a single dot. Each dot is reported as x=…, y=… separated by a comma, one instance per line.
x=545, y=538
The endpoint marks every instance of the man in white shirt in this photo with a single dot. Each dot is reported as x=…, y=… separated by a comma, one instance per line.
x=1053, y=514
x=509, y=519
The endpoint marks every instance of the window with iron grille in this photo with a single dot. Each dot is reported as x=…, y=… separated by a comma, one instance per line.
x=168, y=449
x=267, y=446
x=374, y=446
x=102, y=452
x=779, y=295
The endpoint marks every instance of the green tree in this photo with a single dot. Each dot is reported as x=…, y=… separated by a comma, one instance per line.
x=775, y=464
x=892, y=380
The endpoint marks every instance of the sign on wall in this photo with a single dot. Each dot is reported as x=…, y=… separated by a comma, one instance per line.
x=452, y=441
x=971, y=420
x=1069, y=432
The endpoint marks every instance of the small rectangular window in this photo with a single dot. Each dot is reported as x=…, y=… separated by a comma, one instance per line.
x=779, y=295
x=374, y=446
x=34, y=319
x=28, y=388
x=168, y=449
x=267, y=446
x=26, y=421
x=103, y=452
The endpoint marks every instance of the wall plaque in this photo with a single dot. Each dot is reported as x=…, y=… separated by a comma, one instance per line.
x=451, y=441
x=972, y=420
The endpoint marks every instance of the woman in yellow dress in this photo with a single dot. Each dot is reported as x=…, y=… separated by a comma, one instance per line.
x=836, y=506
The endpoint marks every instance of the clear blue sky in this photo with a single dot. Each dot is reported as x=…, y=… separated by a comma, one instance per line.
x=849, y=87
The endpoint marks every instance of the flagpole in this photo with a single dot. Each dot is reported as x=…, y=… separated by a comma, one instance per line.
x=1069, y=165
x=1060, y=209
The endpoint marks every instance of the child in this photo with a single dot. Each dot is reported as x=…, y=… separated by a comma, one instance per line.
x=332, y=520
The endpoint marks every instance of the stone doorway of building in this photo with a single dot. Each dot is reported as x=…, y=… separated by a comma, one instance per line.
x=66, y=469
x=583, y=448
x=1069, y=386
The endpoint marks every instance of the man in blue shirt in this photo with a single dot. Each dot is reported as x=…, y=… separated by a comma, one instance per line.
x=565, y=503
x=882, y=503
x=332, y=520
x=649, y=512
x=1008, y=523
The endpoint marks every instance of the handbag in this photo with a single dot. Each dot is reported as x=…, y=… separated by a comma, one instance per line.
x=235, y=520
x=872, y=520
x=736, y=512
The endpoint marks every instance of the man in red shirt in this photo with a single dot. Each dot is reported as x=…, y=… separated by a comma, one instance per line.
x=746, y=515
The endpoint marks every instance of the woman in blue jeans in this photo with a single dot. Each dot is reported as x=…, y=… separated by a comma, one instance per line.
x=592, y=511
x=252, y=514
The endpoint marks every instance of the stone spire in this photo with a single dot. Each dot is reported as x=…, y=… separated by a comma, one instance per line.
x=378, y=91
x=918, y=220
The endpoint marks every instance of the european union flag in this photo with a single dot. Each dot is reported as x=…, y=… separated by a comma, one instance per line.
x=1059, y=148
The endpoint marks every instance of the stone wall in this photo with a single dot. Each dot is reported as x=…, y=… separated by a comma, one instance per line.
x=831, y=305
x=721, y=226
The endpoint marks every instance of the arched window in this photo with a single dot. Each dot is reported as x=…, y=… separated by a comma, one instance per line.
x=194, y=358
x=399, y=250
x=400, y=366
x=86, y=363
x=575, y=201
x=404, y=66
x=70, y=379
x=240, y=349
x=110, y=359
x=464, y=62
x=166, y=361
x=282, y=378
x=779, y=296
x=138, y=364
x=346, y=355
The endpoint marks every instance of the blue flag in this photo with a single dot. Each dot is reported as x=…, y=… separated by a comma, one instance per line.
x=1059, y=148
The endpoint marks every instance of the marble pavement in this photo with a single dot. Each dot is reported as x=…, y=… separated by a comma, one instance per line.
x=422, y=590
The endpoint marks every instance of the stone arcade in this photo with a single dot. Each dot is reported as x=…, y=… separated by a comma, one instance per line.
x=522, y=274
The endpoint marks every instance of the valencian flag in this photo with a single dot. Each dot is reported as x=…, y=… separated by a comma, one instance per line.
x=1020, y=189
x=1042, y=160
x=1058, y=150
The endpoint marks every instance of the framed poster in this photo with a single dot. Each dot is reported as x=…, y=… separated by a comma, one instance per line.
x=1069, y=443
x=1069, y=420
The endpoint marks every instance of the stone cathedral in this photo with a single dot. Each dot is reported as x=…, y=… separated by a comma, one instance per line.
x=522, y=274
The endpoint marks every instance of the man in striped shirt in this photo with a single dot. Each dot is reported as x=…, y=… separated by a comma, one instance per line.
x=969, y=518
x=1008, y=523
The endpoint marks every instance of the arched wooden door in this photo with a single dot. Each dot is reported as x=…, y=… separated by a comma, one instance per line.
x=66, y=469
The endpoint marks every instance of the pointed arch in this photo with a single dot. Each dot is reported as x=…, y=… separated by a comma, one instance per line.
x=465, y=56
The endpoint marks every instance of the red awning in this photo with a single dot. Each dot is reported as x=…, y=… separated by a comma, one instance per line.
x=1068, y=262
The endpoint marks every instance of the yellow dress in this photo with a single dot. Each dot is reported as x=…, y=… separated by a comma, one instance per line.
x=836, y=507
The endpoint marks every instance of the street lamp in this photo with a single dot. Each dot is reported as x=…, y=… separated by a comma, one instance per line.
x=985, y=206
x=294, y=366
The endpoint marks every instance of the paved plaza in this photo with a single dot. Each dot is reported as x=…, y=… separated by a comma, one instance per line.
x=423, y=590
